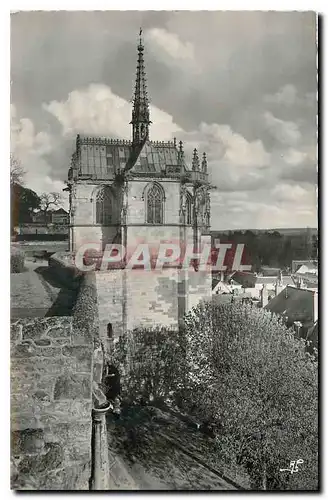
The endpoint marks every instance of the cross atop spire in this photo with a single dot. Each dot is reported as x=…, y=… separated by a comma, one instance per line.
x=140, y=112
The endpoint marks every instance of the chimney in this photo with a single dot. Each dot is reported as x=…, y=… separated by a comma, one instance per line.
x=315, y=307
x=264, y=296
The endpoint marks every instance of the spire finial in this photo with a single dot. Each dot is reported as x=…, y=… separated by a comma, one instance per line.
x=180, y=153
x=140, y=46
x=140, y=112
x=204, y=163
x=195, y=160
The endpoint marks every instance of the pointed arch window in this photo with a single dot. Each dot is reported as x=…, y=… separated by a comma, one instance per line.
x=155, y=205
x=189, y=209
x=104, y=206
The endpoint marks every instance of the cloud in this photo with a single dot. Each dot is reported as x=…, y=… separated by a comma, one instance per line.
x=299, y=165
x=294, y=157
x=24, y=139
x=288, y=96
x=169, y=44
x=31, y=148
x=291, y=193
x=234, y=163
x=285, y=132
x=96, y=110
x=213, y=82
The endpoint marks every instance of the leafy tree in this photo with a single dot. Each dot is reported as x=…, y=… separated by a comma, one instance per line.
x=48, y=200
x=151, y=361
x=16, y=171
x=243, y=373
x=253, y=380
x=23, y=202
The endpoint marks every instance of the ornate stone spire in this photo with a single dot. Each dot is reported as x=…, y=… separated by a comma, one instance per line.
x=204, y=163
x=180, y=153
x=195, y=160
x=140, y=113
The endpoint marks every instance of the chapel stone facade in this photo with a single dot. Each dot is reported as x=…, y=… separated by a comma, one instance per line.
x=140, y=191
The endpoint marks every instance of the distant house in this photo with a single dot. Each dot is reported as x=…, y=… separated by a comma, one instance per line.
x=307, y=269
x=298, y=306
x=246, y=280
x=270, y=271
x=41, y=218
x=253, y=284
x=60, y=217
x=221, y=287
x=230, y=298
x=311, y=264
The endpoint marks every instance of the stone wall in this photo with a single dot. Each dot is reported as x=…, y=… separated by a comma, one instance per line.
x=128, y=299
x=51, y=398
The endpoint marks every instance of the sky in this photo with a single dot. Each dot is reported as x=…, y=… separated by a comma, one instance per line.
x=240, y=86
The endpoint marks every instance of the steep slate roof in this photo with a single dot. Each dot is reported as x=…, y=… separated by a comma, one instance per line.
x=295, y=303
x=157, y=157
x=247, y=280
x=102, y=158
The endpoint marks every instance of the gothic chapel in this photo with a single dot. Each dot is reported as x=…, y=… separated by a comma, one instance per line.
x=139, y=190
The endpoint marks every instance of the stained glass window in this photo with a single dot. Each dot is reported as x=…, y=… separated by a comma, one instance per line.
x=104, y=206
x=155, y=202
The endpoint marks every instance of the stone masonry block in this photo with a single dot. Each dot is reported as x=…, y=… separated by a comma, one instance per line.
x=83, y=355
x=44, y=462
x=27, y=441
x=73, y=386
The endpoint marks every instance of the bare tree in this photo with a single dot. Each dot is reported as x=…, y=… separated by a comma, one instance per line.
x=49, y=200
x=16, y=171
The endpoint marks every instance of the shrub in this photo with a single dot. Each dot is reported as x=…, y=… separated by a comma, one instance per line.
x=17, y=261
x=152, y=363
x=243, y=373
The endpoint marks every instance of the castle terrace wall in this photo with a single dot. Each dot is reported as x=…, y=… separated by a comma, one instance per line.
x=51, y=398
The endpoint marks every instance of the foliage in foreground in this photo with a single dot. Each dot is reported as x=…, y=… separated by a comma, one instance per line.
x=242, y=371
x=249, y=375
